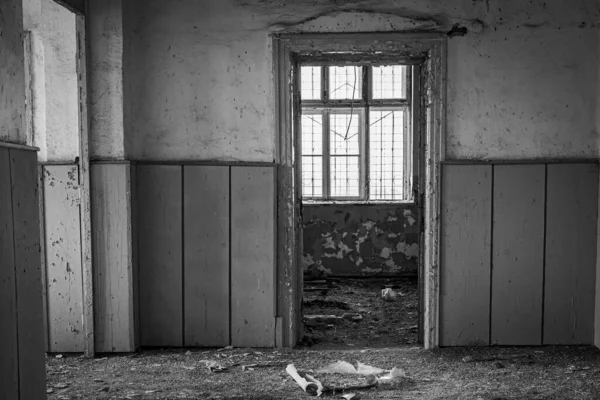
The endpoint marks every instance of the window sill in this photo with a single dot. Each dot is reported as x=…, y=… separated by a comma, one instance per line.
x=309, y=202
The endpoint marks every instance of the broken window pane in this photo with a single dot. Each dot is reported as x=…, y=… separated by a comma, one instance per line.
x=389, y=82
x=345, y=83
x=312, y=150
x=344, y=147
x=310, y=83
x=312, y=134
x=386, y=155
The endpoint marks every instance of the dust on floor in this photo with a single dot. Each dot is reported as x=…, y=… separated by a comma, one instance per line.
x=539, y=373
x=383, y=323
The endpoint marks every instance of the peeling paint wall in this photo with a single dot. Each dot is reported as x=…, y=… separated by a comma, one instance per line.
x=198, y=75
x=12, y=73
x=360, y=239
x=60, y=70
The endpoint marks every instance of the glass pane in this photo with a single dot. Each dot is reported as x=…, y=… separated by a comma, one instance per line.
x=344, y=134
x=386, y=155
x=345, y=83
x=345, y=176
x=312, y=176
x=312, y=134
x=389, y=82
x=310, y=83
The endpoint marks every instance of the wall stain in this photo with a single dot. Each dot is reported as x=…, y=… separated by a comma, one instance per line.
x=360, y=239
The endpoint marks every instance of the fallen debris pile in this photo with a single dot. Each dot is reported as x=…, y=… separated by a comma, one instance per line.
x=368, y=377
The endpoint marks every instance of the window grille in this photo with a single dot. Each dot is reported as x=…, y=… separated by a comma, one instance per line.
x=355, y=132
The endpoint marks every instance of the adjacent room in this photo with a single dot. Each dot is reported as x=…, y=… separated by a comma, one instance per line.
x=267, y=199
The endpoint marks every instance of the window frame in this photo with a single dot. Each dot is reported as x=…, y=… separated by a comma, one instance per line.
x=364, y=105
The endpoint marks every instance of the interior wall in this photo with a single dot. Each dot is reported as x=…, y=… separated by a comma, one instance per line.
x=60, y=70
x=523, y=88
x=12, y=73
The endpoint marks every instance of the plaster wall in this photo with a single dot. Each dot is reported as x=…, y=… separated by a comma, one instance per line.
x=199, y=75
x=12, y=72
x=60, y=70
x=107, y=140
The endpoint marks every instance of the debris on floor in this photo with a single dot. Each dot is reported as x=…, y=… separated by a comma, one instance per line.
x=353, y=313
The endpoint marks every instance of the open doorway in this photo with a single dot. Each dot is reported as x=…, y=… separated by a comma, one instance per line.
x=425, y=54
x=360, y=152
x=58, y=126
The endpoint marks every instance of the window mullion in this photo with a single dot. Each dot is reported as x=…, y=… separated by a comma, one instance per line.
x=326, y=155
x=366, y=140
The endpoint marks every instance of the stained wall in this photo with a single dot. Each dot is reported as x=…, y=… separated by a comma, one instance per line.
x=523, y=88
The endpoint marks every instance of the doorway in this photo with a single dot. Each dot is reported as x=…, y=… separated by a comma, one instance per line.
x=424, y=52
x=359, y=139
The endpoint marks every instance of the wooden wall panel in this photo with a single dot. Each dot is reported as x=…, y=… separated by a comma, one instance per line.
x=206, y=255
x=572, y=213
x=63, y=258
x=135, y=255
x=160, y=254
x=252, y=256
x=32, y=369
x=465, y=255
x=9, y=361
x=112, y=257
x=518, y=254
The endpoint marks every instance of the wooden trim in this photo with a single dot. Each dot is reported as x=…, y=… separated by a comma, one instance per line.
x=435, y=86
x=287, y=49
x=43, y=264
x=215, y=163
x=18, y=146
x=524, y=161
x=84, y=184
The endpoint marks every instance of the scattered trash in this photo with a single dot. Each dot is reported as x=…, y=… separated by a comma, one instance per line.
x=214, y=366
x=98, y=380
x=49, y=390
x=311, y=387
x=150, y=391
x=251, y=367
x=190, y=368
x=351, y=396
x=573, y=368
x=388, y=294
x=314, y=320
x=226, y=348
x=499, y=365
x=61, y=385
x=188, y=353
x=104, y=389
x=58, y=356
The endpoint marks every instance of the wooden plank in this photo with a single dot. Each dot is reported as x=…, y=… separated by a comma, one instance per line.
x=32, y=368
x=518, y=254
x=112, y=258
x=252, y=256
x=465, y=269
x=63, y=258
x=9, y=361
x=160, y=268
x=42, y=218
x=206, y=256
x=84, y=183
x=571, y=226
x=135, y=253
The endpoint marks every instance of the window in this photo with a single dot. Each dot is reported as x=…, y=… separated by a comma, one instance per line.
x=355, y=132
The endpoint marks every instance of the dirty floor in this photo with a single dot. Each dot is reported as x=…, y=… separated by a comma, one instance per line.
x=537, y=373
x=383, y=323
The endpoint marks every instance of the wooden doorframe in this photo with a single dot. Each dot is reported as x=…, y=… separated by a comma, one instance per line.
x=431, y=47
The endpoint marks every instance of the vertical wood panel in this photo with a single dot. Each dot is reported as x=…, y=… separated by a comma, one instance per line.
x=32, y=368
x=63, y=258
x=42, y=212
x=135, y=254
x=465, y=262
x=160, y=255
x=206, y=255
x=9, y=362
x=571, y=218
x=252, y=256
x=518, y=254
x=113, y=269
